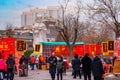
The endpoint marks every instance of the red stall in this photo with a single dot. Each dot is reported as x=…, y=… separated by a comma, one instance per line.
x=7, y=46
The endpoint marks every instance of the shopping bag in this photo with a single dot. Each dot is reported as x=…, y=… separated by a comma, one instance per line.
x=1, y=75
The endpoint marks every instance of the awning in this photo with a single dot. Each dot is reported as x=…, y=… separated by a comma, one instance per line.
x=60, y=43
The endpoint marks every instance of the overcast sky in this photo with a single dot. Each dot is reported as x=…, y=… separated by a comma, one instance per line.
x=10, y=9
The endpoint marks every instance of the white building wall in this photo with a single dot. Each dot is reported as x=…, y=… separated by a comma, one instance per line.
x=28, y=17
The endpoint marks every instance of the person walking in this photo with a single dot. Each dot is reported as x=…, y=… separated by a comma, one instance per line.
x=66, y=66
x=2, y=68
x=23, y=65
x=60, y=66
x=10, y=67
x=86, y=66
x=37, y=62
x=32, y=62
x=115, y=57
x=97, y=68
x=76, y=66
x=22, y=60
x=52, y=65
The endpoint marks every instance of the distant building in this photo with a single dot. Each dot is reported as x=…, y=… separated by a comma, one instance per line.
x=49, y=15
x=28, y=18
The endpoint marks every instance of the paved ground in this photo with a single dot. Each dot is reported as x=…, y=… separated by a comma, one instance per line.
x=43, y=75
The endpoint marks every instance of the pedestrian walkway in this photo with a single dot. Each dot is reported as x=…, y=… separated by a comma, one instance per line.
x=43, y=75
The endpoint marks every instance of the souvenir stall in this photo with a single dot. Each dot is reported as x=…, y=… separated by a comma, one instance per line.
x=60, y=48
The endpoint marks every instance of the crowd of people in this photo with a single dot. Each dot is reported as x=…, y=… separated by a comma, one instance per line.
x=85, y=66
x=81, y=66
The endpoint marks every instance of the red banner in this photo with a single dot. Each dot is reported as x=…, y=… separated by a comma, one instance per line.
x=93, y=49
x=79, y=49
x=7, y=45
x=97, y=49
x=88, y=48
x=61, y=50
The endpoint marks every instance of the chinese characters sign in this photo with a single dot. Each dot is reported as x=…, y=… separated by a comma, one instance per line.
x=105, y=48
x=93, y=49
x=111, y=46
x=37, y=48
x=4, y=45
x=20, y=45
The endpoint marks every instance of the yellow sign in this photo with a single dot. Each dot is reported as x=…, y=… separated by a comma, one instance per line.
x=20, y=46
x=37, y=49
x=105, y=48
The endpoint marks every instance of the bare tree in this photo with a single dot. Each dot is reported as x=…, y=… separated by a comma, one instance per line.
x=94, y=35
x=68, y=26
x=108, y=13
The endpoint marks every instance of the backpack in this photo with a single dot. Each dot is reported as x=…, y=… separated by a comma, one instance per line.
x=59, y=65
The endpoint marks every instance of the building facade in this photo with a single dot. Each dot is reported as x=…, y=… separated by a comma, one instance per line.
x=28, y=18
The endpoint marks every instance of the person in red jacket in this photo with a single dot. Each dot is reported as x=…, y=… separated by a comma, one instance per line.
x=32, y=62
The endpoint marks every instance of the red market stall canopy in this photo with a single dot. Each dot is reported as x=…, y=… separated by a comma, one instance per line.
x=61, y=48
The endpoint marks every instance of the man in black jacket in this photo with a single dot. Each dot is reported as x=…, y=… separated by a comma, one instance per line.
x=76, y=66
x=97, y=68
x=86, y=67
x=10, y=67
x=52, y=65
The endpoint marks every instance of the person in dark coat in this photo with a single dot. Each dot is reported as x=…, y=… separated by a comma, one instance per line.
x=86, y=67
x=97, y=68
x=23, y=59
x=10, y=67
x=23, y=64
x=52, y=67
x=76, y=66
x=60, y=65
